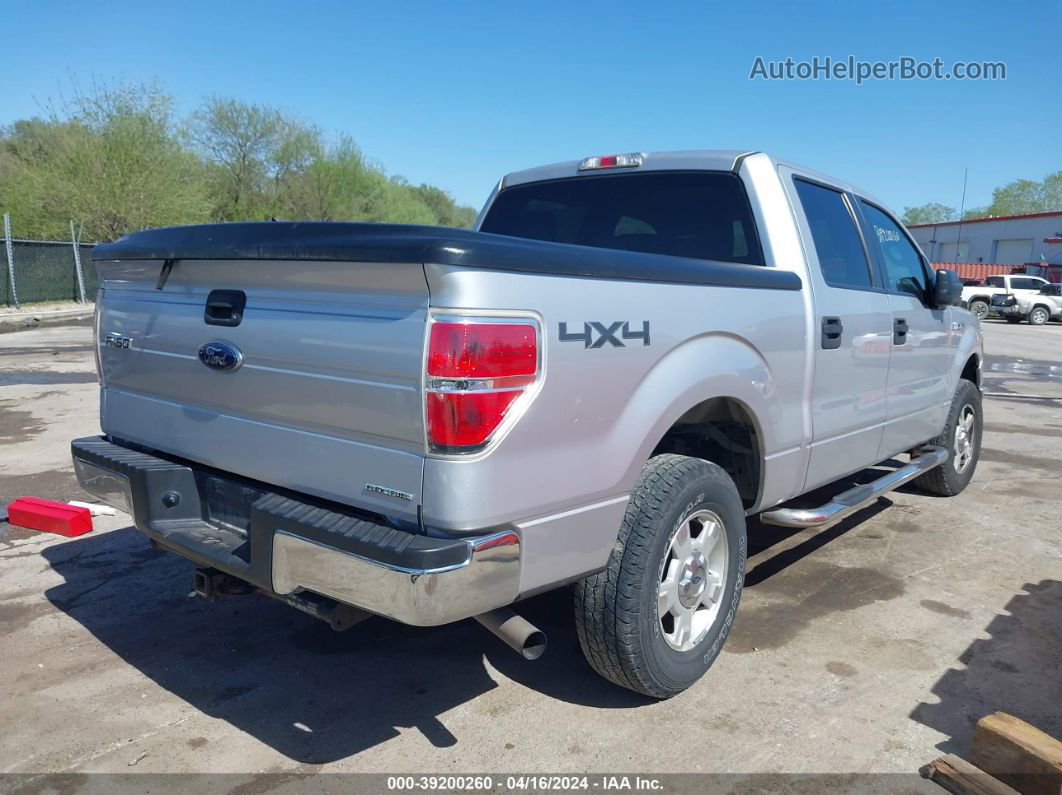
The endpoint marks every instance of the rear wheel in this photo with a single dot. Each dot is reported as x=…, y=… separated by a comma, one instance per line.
x=979, y=308
x=656, y=618
x=962, y=438
x=1039, y=315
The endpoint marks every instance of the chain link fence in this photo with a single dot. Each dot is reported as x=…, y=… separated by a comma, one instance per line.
x=32, y=271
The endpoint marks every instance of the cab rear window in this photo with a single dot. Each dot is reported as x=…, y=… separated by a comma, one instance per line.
x=698, y=214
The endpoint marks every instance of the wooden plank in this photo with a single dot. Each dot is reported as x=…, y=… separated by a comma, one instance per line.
x=1019, y=754
x=958, y=776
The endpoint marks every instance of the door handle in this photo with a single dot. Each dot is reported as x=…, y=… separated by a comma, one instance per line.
x=899, y=331
x=831, y=333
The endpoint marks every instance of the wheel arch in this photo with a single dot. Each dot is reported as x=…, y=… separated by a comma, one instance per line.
x=722, y=405
x=724, y=431
x=971, y=371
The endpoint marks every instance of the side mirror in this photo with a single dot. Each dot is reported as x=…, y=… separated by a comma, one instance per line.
x=948, y=289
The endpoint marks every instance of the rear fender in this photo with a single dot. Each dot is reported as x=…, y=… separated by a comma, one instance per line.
x=712, y=365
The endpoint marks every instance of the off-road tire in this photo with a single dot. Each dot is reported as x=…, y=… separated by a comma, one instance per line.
x=1039, y=316
x=979, y=308
x=616, y=609
x=944, y=480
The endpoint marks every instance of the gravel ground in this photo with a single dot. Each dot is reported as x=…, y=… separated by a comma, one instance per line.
x=872, y=645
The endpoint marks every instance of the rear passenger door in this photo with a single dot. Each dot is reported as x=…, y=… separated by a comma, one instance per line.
x=852, y=326
x=923, y=350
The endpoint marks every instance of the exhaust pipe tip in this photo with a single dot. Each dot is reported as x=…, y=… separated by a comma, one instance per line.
x=534, y=645
x=517, y=632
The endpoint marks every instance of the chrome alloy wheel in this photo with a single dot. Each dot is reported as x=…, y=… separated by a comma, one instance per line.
x=691, y=579
x=964, y=439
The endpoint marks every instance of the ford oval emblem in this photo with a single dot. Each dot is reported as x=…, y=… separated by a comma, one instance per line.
x=220, y=356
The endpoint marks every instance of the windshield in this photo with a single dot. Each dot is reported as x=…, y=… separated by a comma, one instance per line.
x=699, y=214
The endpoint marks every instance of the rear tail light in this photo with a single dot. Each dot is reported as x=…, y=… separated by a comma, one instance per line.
x=477, y=373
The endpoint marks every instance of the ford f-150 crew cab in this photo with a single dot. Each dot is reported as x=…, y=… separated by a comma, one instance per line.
x=625, y=358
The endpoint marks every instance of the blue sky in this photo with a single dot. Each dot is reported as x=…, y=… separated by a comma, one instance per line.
x=458, y=93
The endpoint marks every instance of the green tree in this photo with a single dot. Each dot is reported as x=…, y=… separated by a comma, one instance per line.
x=447, y=211
x=1052, y=192
x=110, y=158
x=238, y=140
x=394, y=200
x=1023, y=196
x=337, y=185
x=931, y=213
x=118, y=160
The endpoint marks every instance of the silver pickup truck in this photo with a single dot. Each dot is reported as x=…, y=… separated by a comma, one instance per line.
x=627, y=356
x=1037, y=307
x=981, y=298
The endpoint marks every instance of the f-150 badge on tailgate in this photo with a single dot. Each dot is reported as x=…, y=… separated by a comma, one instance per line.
x=220, y=356
x=113, y=340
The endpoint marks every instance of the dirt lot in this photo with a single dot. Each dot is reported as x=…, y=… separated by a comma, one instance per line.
x=869, y=646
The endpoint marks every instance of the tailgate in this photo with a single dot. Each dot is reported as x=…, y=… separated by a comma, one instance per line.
x=327, y=399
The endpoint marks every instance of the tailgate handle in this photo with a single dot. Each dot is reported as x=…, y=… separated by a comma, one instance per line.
x=225, y=307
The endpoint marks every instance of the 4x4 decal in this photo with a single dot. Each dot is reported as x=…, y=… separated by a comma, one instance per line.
x=604, y=334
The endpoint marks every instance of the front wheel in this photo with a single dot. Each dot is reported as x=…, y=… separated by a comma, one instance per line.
x=656, y=617
x=979, y=308
x=1039, y=316
x=962, y=438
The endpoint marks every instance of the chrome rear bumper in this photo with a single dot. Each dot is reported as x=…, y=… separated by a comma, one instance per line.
x=285, y=545
x=488, y=578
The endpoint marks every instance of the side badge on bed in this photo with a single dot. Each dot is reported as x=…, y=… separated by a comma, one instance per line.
x=220, y=356
x=597, y=335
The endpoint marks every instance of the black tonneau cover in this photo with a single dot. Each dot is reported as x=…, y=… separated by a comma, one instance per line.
x=361, y=242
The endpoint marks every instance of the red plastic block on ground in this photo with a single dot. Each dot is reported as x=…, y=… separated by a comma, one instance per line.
x=49, y=516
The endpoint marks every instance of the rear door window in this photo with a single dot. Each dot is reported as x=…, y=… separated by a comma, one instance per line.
x=838, y=245
x=698, y=214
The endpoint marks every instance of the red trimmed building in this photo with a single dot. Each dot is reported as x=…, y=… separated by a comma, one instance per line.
x=989, y=246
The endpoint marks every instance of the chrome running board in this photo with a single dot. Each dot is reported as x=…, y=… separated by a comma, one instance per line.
x=858, y=497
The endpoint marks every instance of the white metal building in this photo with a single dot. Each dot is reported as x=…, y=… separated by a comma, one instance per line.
x=1006, y=240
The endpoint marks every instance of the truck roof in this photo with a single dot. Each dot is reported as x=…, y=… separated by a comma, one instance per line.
x=683, y=160
x=693, y=160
